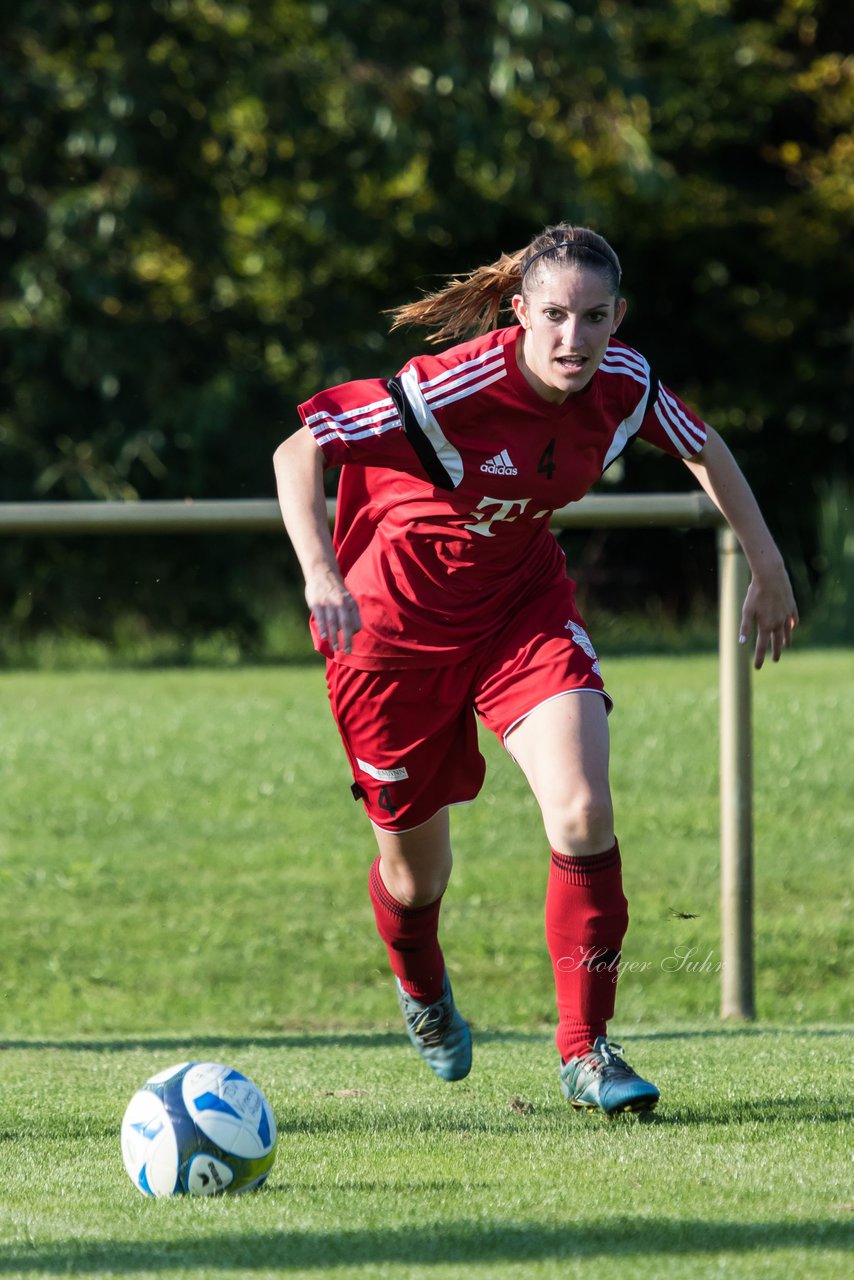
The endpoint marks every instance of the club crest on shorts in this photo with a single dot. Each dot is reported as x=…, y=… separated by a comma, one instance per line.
x=584, y=642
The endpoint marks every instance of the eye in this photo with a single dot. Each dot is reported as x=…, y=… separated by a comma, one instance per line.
x=598, y=316
x=552, y=313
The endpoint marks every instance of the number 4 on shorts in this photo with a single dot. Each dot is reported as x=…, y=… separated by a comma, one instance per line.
x=384, y=802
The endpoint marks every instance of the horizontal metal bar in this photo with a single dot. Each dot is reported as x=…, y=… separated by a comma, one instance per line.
x=637, y=510
x=208, y=516
x=262, y=515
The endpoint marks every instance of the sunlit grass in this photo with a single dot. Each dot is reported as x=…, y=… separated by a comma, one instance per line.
x=182, y=874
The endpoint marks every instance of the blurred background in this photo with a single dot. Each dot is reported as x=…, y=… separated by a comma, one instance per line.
x=206, y=207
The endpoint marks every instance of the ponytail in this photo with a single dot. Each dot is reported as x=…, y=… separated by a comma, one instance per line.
x=470, y=305
x=466, y=304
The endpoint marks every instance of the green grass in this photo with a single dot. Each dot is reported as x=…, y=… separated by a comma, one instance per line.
x=382, y=1172
x=182, y=874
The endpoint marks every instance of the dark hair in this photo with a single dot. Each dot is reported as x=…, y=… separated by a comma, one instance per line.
x=471, y=304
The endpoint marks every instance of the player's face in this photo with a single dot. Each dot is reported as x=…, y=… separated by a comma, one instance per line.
x=568, y=318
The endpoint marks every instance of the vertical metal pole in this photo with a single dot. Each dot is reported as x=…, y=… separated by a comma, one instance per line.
x=737, y=988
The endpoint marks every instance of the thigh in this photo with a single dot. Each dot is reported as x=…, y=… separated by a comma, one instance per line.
x=541, y=692
x=563, y=749
x=544, y=653
x=411, y=739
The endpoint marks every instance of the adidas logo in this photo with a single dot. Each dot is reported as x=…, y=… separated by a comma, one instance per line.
x=500, y=465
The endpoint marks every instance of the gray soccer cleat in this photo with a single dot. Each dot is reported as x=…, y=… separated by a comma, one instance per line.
x=599, y=1080
x=438, y=1032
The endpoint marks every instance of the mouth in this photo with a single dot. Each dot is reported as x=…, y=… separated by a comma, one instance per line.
x=571, y=365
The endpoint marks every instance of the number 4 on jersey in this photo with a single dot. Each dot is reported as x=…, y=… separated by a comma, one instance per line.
x=547, y=465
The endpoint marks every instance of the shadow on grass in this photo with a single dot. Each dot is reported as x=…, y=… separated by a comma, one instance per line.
x=324, y=1115
x=192, y=1043
x=814, y=1111
x=431, y=1244
x=731, y=1031
x=379, y=1039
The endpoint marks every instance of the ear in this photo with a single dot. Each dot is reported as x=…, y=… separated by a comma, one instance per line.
x=521, y=308
x=619, y=312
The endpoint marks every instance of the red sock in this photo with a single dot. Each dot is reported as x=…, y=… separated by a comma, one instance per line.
x=586, y=920
x=411, y=937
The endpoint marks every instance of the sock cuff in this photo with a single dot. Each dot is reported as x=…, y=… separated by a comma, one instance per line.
x=381, y=896
x=578, y=870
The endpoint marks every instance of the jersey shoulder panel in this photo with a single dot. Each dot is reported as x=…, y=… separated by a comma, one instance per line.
x=626, y=385
x=658, y=416
x=464, y=364
x=628, y=368
x=429, y=386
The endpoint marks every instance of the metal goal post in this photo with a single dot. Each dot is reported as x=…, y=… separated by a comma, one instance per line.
x=594, y=511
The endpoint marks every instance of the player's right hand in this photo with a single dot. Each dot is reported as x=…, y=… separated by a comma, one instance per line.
x=334, y=609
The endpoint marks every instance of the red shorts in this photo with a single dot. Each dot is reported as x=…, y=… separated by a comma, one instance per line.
x=411, y=733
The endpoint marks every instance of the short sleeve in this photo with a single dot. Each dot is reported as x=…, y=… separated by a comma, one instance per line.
x=670, y=425
x=357, y=422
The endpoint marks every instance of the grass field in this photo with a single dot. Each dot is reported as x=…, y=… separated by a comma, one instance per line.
x=182, y=874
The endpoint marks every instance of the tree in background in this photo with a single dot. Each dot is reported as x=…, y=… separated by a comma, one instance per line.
x=207, y=206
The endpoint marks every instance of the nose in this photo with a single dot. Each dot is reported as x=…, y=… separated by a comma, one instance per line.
x=570, y=334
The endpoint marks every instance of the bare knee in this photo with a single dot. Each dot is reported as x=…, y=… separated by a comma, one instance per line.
x=416, y=865
x=411, y=887
x=582, y=825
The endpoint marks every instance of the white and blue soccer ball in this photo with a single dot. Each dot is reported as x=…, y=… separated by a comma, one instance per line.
x=198, y=1129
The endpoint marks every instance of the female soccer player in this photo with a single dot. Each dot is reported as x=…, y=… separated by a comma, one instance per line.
x=443, y=595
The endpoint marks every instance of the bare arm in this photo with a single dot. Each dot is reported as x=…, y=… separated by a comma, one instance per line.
x=769, y=603
x=299, y=478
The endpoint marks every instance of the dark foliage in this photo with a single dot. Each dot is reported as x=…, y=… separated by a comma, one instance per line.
x=206, y=206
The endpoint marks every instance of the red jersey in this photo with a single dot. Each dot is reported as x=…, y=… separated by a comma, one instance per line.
x=451, y=472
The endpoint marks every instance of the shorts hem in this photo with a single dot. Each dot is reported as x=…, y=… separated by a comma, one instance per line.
x=402, y=831
x=563, y=694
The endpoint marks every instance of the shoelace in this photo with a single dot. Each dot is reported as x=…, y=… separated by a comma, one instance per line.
x=605, y=1059
x=430, y=1025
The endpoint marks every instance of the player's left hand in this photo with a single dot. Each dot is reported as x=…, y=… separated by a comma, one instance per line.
x=770, y=607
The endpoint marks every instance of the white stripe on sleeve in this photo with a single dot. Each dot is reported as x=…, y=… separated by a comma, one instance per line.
x=680, y=447
x=690, y=432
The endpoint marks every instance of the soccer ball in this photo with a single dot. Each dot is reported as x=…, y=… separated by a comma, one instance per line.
x=198, y=1129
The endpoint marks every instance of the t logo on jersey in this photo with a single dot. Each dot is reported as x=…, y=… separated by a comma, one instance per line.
x=504, y=511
